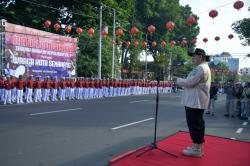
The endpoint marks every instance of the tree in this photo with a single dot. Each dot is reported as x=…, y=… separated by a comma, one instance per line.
x=158, y=13
x=242, y=28
x=245, y=78
x=85, y=14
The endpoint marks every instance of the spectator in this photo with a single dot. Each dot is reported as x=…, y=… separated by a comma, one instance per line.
x=239, y=91
x=230, y=99
x=244, y=103
x=213, y=97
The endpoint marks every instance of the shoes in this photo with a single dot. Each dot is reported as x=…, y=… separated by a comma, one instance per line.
x=212, y=114
x=226, y=115
x=208, y=112
x=195, y=151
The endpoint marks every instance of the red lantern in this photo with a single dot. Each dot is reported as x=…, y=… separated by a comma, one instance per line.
x=154, y=43
x=230, y=36
x=91, y=31
x=105, y=31
x=120, y=43
x=128, y=43
x=136, y=44
x=172, y=43
x=113, y=42
x=205, y=40
x=47, y=23
x=213, y=13
x=68, y=28
x=194, y=41
x=238, y=5
x=56, y=26
x=119, y=32
x=163, y=43
x=170, y=25
x=190, y=20
x=151, y=29
x=217, y=38
x=134, y=31
x=183, y=42
x=144, y=44
x=79, y=31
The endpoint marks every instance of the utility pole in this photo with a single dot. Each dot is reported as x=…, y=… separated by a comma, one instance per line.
x=100, y=46
x=113, y=51
x=169, y=67
x=2, y=46
x=146, y=62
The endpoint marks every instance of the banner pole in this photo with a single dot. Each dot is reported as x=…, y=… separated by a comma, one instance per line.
x=2, y=42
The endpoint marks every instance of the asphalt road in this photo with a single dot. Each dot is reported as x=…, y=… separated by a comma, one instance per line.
x=91, y=132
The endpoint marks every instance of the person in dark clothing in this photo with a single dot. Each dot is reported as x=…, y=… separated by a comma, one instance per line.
x=213, y=97
x=239, y=91
x=230, y=99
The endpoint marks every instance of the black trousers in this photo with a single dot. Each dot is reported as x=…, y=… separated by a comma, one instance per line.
x=196, y=124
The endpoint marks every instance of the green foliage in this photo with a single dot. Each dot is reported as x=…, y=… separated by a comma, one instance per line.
x=139, y=13
x=242, y=28
x=245, y=78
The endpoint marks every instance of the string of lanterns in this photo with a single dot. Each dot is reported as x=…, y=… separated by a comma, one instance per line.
x=191, y=20
x=220, y=71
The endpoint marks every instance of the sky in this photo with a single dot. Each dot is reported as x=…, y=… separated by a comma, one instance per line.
x=219, y=26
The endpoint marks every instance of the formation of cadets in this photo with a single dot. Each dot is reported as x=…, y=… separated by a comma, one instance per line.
x=13, y=90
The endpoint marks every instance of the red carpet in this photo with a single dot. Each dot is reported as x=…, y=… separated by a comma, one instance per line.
x=218, y=152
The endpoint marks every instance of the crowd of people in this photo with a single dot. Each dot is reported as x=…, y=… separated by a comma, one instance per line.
x=237, y=99
x=20, y=90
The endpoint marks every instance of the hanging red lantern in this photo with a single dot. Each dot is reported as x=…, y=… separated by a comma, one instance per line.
x=213, y=13
x=56, y=26
x=184, y=42
x=136, y=44
x=144, y=44
x=128, y=43
x=163, y=43
x=91, y=31
x=151, y=29
x=172, y=43
x=190, y=20
x=47, y=23
x=120, y=43
x=119, y=32
x=134, y=31
x=154, y=44
x=238, y=5
x=205, y=40
x=217, y=38
x=113, y=42
x=194, y=41
x=68, y=28
x=79, y=31
x=170, y=25
x=105, y=31
x=230, y=36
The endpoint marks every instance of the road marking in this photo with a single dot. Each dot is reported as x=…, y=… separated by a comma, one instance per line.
x=239, y=130
x=51, y=112
x=138, y=101
x=244, y=123
x=130, y=124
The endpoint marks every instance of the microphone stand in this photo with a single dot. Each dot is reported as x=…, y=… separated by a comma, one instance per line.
x=153, y=145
